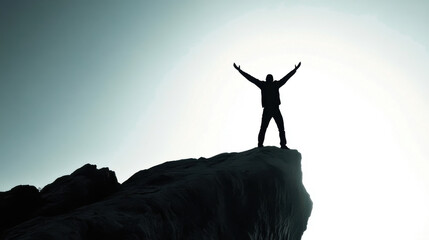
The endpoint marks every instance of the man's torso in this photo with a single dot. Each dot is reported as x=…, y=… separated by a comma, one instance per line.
x=270, y=94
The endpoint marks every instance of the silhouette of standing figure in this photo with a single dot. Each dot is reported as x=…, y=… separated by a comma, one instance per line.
x=270, y=103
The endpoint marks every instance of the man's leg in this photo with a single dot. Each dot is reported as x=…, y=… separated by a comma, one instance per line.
x=266, y=117
x=280, y=125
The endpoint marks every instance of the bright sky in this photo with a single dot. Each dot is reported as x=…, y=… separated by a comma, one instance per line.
x=128, y=85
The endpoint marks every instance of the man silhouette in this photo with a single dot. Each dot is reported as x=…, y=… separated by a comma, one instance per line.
x=270, y=103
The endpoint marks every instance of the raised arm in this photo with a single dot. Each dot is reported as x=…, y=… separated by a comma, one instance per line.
x=247, y=76
x=289, y=75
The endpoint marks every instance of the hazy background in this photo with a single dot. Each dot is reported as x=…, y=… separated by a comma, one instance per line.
x=131, y=84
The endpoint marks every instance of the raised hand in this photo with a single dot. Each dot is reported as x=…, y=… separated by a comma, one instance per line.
x=238, y=68
x=299, y=65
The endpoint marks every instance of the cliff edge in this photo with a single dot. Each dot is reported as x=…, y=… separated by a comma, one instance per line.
x=256, y=194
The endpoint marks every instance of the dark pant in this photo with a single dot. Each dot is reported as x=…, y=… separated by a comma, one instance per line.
x=266, y=118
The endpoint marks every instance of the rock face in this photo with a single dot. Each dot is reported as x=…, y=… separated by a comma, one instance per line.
x=18, y=204
x=84, y=186
x=257, y=194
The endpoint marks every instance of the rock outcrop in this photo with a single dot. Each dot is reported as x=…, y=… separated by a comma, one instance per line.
x=256, y=194
x=18, y=205
x=84, y=186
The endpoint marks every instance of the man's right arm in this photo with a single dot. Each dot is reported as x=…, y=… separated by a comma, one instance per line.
x=247, y=76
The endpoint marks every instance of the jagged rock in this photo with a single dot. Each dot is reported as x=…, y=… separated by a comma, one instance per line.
x=257, y=194
x=85, y=185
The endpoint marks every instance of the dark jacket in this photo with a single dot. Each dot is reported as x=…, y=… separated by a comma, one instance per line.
x=269, y=90
x=270, y=93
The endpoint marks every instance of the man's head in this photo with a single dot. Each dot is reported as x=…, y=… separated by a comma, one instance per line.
x=269, y=78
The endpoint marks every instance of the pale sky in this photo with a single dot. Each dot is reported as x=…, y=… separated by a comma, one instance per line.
x=131, y=84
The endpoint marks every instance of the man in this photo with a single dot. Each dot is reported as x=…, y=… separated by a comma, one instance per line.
x=270, y=103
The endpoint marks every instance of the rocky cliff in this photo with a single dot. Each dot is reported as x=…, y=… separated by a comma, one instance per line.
x=256, y=194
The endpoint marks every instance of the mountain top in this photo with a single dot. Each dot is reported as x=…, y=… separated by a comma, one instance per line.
x=255, y=194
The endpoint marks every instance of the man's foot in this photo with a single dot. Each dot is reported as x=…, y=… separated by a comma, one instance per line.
x=285, y=147
x=260, y=145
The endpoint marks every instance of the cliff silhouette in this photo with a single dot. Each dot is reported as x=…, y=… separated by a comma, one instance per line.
x=256, y=194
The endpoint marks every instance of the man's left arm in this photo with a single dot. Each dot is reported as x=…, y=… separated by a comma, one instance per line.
x=289, y=75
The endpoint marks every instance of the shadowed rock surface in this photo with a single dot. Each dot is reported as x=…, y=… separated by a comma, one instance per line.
x=256, y=194
x=84, y=186
x=18, y=204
